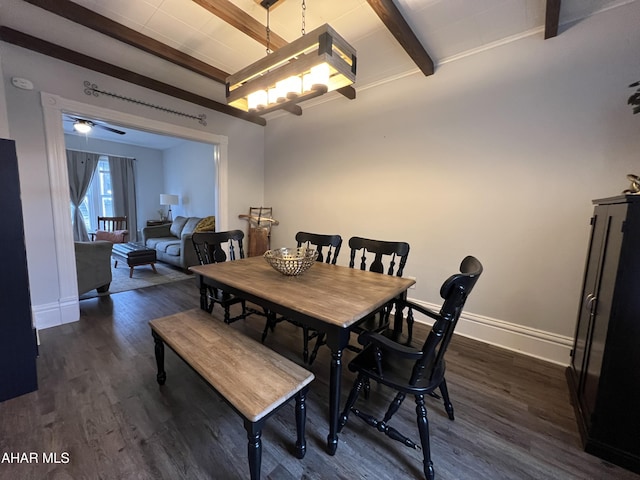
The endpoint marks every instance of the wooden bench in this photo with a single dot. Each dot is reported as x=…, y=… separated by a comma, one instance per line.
x=253, y=379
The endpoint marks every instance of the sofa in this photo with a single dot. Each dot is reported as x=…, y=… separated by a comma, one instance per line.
x=93, y=265
x=172, y=241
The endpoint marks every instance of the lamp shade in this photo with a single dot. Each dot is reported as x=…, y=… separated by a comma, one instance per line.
x=168, y=199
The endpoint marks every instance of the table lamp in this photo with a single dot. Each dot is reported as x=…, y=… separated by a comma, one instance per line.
x=168, y=199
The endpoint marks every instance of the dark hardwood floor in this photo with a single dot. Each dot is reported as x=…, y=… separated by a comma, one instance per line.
x=99, y=407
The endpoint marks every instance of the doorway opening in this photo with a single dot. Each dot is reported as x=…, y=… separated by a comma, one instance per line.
x=53, y=109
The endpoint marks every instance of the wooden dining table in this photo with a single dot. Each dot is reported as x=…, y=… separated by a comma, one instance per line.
x=329, y=298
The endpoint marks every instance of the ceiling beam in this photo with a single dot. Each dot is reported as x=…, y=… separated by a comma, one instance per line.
x=552, y=19
x=52, y=50
x=227, y=11
x=87, y=18
x=399, y=28
x=234, y=16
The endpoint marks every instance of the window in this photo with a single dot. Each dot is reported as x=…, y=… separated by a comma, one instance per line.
x=99, y=199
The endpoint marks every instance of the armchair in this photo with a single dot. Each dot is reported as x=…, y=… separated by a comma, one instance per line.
x=417, y=371
x=93, y=265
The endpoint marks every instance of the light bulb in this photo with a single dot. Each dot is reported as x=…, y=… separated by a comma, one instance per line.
x=257, y=100
x=320, y=75
x=293, y=86
x=82, y=126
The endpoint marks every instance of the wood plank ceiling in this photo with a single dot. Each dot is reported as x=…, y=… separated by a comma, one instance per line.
x=386, y=10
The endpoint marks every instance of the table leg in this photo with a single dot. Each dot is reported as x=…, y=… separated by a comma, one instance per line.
x=161, y=377
x=334, y=399
x=399, y=316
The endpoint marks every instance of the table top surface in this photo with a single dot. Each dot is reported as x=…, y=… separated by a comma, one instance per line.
x=334, y=294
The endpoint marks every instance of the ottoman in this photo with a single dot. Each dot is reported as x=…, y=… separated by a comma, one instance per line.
x=135, y=255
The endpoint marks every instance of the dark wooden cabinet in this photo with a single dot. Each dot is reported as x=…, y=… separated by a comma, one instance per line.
x=18, y=346
x=604, y=374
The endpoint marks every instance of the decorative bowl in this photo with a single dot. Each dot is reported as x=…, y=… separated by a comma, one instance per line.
x=291, y=261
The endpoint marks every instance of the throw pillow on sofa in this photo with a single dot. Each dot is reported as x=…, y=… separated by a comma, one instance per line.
x=207, y=224
x=177, y=226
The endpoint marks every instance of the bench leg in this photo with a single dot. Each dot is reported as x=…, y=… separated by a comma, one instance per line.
x=161, y=377
x=301, y=419
x=153, y=267
x=254, y=447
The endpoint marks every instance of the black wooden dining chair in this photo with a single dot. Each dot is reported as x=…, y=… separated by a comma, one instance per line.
x=409, y=370
x=378, y=256
x=216, y=247
x=368, y=254
x=328, y=247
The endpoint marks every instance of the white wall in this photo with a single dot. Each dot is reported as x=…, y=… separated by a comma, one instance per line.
x=244, y=150
x=4, y=119
x=498, y=155
x=190, y=173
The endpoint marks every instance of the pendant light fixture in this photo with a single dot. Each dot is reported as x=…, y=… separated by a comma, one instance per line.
x=316, y=63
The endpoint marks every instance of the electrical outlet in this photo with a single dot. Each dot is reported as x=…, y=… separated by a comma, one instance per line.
x=412, y=278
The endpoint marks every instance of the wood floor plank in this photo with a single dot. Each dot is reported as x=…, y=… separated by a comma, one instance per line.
x=98, y=400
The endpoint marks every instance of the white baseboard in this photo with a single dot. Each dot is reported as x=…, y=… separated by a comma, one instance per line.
x=528, y=341
x=55, y=314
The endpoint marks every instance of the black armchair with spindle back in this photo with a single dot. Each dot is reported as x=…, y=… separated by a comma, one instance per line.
x=409, y=370
x=216, y=247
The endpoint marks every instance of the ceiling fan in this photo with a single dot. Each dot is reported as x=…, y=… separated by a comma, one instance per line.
x=84, y=126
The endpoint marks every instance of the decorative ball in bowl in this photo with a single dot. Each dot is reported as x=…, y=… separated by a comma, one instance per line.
x=291, y=261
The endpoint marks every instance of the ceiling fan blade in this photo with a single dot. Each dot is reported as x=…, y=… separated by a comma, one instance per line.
x=114, y=130
x=94, y=124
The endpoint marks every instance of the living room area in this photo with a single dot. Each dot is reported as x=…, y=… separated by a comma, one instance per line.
x=160, y=163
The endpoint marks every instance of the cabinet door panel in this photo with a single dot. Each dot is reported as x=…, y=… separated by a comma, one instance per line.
x=599, y=224
x=604, y=292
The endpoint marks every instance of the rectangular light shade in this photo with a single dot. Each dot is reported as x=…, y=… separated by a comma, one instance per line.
x=167, y=199
x=321, y=46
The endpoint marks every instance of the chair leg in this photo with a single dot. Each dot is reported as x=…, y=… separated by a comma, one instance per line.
x=351, y=400
x=269, y=324
x=321, y=340
x=305, y=344
x=423, y=428
x=445, y=397
x=395, y=405
x=367, y=388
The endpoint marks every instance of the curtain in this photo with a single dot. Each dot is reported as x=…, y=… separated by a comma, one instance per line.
x=81, y=166
x=123, y=190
